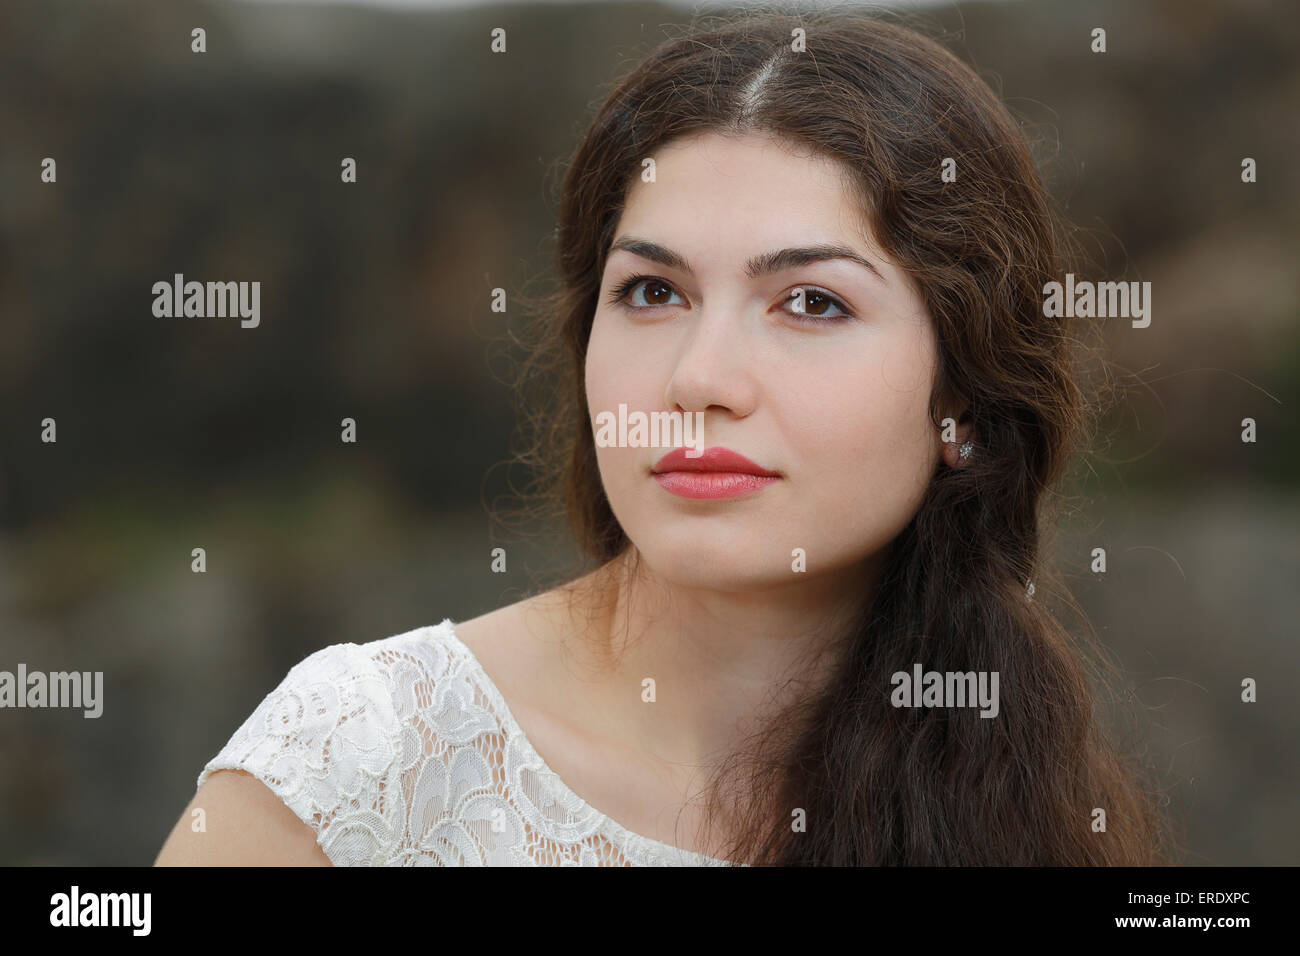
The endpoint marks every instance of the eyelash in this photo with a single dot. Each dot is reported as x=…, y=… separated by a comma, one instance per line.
x=621, y=292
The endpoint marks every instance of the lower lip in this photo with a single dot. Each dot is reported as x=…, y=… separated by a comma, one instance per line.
x=712, y=484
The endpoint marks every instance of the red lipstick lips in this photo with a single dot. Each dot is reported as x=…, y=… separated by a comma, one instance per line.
x=718, y=473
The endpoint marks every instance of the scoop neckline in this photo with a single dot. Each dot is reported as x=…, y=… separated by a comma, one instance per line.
x=621, y=833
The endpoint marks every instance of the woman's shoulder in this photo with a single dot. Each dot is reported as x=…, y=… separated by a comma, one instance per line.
x=349, y=722
x=369, y=685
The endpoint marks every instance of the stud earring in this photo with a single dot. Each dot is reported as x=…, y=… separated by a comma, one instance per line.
x=966, y=449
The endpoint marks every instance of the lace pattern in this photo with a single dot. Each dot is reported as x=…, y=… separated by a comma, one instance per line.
x=402, y=752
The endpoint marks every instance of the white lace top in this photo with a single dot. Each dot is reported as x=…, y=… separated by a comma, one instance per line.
x=402, y=752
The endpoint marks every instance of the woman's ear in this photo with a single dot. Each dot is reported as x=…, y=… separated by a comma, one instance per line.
x=957, y=453
x=958, y=441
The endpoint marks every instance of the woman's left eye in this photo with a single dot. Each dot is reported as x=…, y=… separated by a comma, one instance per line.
x=810, y=302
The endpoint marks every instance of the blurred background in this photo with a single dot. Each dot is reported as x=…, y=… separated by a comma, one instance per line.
x=175, y=433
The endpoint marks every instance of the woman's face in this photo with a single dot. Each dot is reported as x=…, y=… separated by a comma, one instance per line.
x=833, y=397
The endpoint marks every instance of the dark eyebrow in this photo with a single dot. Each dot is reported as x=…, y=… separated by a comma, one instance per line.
x=766, y=264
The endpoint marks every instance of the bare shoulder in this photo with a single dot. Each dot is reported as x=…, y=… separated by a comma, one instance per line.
x=244, y=824
x=525, y=648
x=517, y=639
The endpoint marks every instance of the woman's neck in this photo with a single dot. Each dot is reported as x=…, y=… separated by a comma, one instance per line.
x=687, y=673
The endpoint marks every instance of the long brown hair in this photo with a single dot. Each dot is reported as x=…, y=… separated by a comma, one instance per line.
x=879, y=784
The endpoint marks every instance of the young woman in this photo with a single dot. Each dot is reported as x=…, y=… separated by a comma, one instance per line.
x=823, y=238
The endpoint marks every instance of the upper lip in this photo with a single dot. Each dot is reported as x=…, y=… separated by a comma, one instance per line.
x=713, y=459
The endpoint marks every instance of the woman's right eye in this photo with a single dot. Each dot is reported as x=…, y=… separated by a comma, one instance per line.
x=655, y=292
